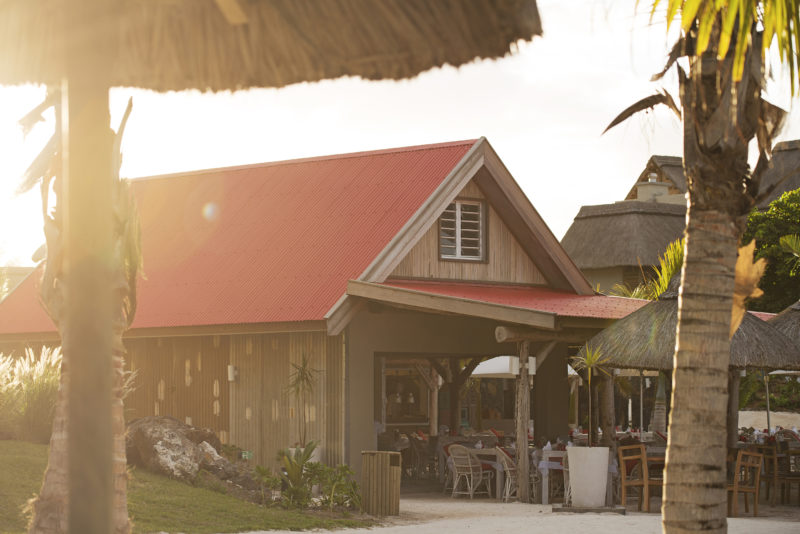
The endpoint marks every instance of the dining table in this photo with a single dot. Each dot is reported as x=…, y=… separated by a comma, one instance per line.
x=550, y=460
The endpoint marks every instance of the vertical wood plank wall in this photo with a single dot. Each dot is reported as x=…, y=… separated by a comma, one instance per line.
x=184, y=377
x=507, y=261
x=256, y=411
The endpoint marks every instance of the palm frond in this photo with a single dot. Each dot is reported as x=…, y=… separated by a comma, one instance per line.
x=780, y=20
x=645, y=104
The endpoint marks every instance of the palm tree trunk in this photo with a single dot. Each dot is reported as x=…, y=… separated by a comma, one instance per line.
x=49, y=508
x=694, y=479
x=606, y=407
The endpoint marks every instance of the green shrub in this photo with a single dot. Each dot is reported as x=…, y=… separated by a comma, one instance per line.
x=296, y=475
x=28, y=394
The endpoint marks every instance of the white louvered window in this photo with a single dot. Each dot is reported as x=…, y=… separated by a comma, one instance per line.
x=461, y=231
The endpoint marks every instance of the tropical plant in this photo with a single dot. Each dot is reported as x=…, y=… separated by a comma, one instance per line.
x=301, y=385
x=51, y=505
x=774, y=230
x=669, y=264
x=338, y=487
x=296, y=474
x=268, y=482
x=722, y=110
x=36, y=380
x=592, y=361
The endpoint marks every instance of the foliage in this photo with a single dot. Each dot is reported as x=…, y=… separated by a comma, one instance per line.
x=156, y=503
x=28, y=393
x=301, y=385
x=669, y=264
x=337, y=486
x=781, y=280
x=268, y=482
x=780, y=20
x=784, y=392
x=591, y=360
x=296, y=475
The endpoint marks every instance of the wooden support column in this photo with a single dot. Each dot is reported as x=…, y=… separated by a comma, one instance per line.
x=734, y=379
x=87, y=334
x=523, y=415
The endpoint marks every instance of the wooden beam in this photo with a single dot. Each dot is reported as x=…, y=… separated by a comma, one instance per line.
x=507, y=334
x=523, y=415
x=445, y=304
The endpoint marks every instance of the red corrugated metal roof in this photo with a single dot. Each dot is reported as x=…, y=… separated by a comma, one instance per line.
x=264, y=243
x=532, y=298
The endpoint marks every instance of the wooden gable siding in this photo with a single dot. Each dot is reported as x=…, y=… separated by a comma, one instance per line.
x=255, y=412
x=264, y=416
x=506, y=262
x=183, y=377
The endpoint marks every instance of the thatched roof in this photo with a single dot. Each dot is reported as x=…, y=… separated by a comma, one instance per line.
x=628, y=233
x=788, y=322
x=238, y=44
x=785, y=163
x=645, y=339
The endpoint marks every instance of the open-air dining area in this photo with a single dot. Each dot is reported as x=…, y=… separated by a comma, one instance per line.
x=482, y=457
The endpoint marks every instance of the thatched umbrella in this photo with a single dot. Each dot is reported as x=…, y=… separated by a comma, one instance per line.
x=645, y=339
x=787, y=322
x=88, y=46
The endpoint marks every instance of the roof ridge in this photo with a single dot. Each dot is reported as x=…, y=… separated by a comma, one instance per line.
x=297, y=161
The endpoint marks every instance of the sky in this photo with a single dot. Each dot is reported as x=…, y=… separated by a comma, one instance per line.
x=543, y=109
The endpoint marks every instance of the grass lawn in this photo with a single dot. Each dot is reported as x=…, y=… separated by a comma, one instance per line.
x=155, y=503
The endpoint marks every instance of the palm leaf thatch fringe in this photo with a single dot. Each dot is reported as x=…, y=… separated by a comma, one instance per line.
x=788, y=323
x=645, y=339
x=168, y=45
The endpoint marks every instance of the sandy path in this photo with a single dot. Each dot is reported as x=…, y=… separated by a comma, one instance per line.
x=434, y=514
x=758, y=420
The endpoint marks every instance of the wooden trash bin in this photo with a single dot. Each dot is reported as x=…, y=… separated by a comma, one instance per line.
x=380, y=482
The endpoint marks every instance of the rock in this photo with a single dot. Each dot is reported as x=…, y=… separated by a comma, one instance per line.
x=162, y=445
x=215, y=464
x=167, y=446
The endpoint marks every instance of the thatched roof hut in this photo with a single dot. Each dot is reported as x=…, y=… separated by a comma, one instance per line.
x=628, y=233
x=785, y=171
x=645, y=339
x=788, y=323
x=217, y=45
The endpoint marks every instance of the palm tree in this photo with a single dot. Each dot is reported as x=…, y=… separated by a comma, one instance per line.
x=51, y=505
x=651, y=288
x=722, y=111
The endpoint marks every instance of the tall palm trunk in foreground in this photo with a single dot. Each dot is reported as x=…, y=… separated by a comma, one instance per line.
x=50, y=507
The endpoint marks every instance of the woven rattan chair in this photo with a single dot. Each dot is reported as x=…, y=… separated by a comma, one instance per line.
x=469, y=470
x=746, y=480
x=510, y=473
x=634, y=472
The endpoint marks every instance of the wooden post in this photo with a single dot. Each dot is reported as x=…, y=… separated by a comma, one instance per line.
x=434, y=404
x=734, y=379
x=606, y=406
x=87, y=333
x=523, y=414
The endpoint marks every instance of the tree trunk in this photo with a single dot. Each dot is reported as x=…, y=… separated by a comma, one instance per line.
x=606, y=407
x=594, y=403
x=523, y=414
x=695, y=493
x=120, y=519
x=455, y=406
x=49, y=508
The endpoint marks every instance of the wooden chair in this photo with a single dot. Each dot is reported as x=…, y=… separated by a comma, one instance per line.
x=468, y=469
x=769, y=473
x=789, y=474
x=746, y=479
x=631, y=457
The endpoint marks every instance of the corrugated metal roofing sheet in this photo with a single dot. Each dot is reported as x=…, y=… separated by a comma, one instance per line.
x=532, y=298
x=264, y=243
